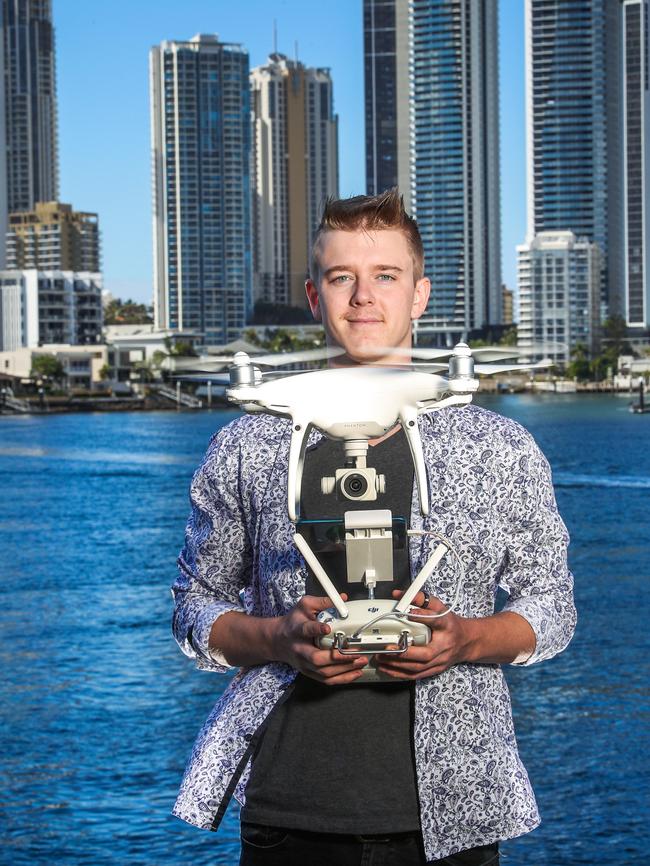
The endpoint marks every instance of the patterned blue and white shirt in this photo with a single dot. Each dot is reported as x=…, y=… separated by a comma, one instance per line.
x=492, y=496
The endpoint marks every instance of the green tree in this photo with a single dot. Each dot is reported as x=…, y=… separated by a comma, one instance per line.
x=177, y=349
x=47, y=367
x=284, y=340
x=118, y=312
x=579, y=367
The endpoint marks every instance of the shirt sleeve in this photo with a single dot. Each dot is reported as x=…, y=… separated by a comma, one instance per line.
x=215, y=562
x=536, y=573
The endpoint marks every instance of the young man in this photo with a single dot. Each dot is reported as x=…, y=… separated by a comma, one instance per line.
x=422, y=771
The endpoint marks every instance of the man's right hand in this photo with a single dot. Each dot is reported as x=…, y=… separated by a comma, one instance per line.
x=295, y=639
x=250, y=640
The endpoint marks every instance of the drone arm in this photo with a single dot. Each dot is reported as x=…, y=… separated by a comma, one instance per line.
x=408, y=420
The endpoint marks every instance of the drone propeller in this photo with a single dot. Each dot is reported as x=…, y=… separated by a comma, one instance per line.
x=482, y=353
x=271, y=359
x=489, y=369
x=224, y=378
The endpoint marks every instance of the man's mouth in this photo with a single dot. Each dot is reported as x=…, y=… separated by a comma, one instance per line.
x=364, y=321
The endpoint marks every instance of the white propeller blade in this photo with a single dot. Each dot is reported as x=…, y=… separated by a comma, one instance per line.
x=489, y=369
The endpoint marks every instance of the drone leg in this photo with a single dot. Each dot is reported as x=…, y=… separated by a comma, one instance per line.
x=421, y=579
x=408, y=419
x=320, y=573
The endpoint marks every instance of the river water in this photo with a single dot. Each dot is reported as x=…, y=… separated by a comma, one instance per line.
x=100, y=709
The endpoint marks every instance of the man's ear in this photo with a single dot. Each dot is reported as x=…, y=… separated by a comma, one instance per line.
x=312, y=297
x=420, y=297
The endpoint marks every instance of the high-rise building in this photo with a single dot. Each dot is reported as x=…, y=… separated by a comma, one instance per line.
x=28, y=129
x=201, y=143
x=508, y=305
x=559, y=295
x=438, y=127
x=573, y=127
x=388, y=108
x=53, y=237
x=295, y=159
x=636, y=162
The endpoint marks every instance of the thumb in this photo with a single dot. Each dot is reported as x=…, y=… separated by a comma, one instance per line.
x=316, y=603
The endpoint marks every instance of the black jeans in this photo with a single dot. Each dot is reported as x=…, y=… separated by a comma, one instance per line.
x=276, y=846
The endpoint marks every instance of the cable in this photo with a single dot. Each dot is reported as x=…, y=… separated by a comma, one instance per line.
x=459, y=585
x=461, y=570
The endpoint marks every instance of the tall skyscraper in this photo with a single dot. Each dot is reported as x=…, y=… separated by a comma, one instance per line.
x=387, y=103
x=295, y=157
x=201, y=143
x=573, y=127
x=53, y=237
x=28, y=130
x=636, y=161
x=438, y=127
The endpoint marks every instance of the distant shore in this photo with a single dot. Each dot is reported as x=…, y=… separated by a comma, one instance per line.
x=35, y=405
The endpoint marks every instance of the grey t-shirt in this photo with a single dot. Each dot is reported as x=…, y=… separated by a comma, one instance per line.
x=339, y=759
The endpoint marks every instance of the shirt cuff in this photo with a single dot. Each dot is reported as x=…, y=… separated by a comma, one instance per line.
x=207, y=658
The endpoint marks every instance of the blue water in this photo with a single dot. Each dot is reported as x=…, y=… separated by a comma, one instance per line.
x=100, y=709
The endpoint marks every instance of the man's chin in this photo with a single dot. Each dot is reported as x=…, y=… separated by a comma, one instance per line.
x=364, y=354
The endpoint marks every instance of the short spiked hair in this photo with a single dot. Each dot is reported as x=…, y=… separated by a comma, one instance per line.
x=369, y=213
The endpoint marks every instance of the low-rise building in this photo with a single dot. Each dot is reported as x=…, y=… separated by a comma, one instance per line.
x=40, y=307
x=82, y=365
x=132, y=347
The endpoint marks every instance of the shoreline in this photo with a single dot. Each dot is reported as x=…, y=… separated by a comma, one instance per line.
x=149, y=403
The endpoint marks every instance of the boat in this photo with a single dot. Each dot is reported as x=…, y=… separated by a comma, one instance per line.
x=640, y=408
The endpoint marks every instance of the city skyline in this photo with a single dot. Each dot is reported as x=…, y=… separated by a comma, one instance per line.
x=104, y=113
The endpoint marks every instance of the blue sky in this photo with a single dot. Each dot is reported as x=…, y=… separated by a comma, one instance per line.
x=103, y=97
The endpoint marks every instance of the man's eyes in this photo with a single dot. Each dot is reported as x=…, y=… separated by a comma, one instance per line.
x=344, y=278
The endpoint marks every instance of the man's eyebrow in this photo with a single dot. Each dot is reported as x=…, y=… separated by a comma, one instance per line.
x=336, y=268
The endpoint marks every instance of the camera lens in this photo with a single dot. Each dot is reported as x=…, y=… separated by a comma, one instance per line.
x=354, y=485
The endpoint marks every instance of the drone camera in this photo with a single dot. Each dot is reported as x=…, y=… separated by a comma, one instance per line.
x=356, y=485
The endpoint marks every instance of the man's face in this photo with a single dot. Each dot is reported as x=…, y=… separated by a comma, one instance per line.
x=366, y=296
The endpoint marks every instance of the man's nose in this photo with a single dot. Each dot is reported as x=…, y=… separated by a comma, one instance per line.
x=363, y=291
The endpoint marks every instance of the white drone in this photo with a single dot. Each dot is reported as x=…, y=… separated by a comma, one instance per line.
x=354, y=405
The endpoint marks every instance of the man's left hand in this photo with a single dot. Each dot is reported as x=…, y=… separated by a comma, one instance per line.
x=501, y=638
x=448, y=646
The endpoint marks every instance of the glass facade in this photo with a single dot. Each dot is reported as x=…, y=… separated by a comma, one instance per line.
x=455, y=180
x=432, y=117
x=30, y=103
x=202, y=148
x=573, y=126
x=379, y=42
x=636, y=103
